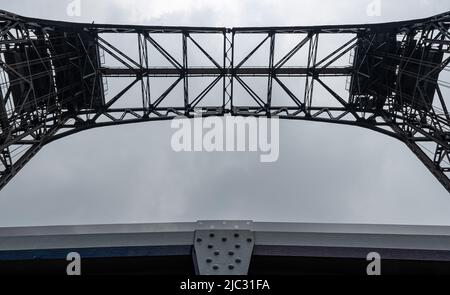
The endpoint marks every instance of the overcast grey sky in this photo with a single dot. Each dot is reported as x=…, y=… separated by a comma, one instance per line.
x=325, y=173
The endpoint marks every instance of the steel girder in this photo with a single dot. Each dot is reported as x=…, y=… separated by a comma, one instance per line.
x=53, y=76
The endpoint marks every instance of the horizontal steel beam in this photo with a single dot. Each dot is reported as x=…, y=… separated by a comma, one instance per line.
x=116, y=28
x=214, y=71
x=271, y=239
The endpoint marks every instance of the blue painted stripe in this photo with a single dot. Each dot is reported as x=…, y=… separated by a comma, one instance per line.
x=108, y=252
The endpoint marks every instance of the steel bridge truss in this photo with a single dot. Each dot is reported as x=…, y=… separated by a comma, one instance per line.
x=391, y=79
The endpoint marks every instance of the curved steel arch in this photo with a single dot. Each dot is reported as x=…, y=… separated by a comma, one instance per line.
x=53, y=74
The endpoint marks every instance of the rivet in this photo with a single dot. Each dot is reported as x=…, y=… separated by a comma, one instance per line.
x=209, y=260
x=215, y=267
x=231, y=253
x=237, y=246
x=210, y=246
x=217, y=253
x=231, y=267
x=224, y=239
x=238, y=260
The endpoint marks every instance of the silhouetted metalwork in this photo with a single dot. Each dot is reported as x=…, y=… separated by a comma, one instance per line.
x=53, y=78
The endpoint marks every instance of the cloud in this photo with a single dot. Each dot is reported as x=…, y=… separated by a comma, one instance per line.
x=326, y=173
